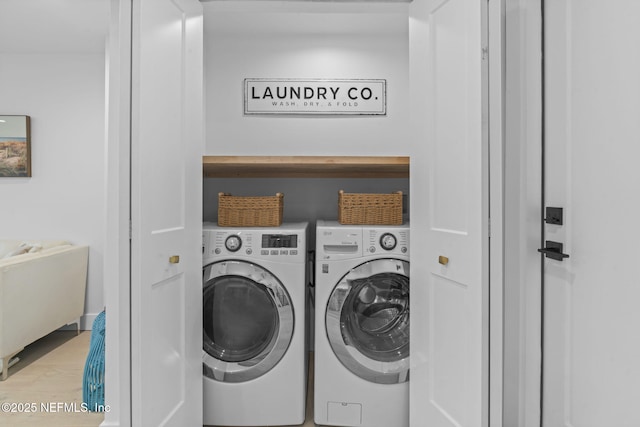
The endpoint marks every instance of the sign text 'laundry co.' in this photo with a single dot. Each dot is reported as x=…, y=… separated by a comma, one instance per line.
x=297, y=96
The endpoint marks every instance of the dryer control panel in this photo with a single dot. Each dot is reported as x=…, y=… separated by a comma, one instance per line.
x=338, y=242
x=382, y=241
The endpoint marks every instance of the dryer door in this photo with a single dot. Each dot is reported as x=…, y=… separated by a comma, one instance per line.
x=367, y=321
x=247, y=321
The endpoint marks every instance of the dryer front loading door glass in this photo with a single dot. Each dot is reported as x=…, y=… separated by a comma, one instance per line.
x=368, y=321
x=247, y=321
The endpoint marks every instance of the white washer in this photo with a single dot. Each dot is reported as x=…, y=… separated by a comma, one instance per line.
x=362, y=325
x=254, y=297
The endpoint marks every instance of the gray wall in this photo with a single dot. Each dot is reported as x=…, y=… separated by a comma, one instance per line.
x=305, y=199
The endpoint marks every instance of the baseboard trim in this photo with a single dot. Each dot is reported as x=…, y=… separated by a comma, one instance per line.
x=86, y=323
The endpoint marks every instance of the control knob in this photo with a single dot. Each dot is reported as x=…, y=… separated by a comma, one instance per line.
x=388, y=241
x=233, y=243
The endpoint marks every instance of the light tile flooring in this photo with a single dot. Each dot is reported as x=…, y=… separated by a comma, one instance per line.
x=49, y=372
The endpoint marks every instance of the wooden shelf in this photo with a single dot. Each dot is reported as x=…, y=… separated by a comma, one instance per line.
x=305, y=167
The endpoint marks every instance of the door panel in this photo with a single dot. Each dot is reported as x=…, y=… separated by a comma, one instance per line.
x=167, y=141
x=591, y=344
x=450, y=86
x=449, y=343
x=168, y=341
x=449, y=182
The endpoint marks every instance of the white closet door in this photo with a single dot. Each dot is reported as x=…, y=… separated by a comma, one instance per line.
x=166, y=180
x=449, y=219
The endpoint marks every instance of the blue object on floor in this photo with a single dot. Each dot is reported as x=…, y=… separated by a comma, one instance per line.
x=93, y=380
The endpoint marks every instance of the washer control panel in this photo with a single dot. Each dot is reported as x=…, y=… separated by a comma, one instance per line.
x=285, y=246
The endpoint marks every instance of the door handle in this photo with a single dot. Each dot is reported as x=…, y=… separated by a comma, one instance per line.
x=553, y=250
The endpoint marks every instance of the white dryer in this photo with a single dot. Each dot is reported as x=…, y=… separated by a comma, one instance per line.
x=362, y=325
x=254, y=294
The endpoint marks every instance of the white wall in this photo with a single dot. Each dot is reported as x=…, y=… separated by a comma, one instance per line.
x=305, y=40
x=64, y=94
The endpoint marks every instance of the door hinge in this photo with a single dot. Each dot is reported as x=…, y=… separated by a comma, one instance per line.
x=485, y=53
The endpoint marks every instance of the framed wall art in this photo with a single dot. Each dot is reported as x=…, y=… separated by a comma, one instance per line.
x=15, y=146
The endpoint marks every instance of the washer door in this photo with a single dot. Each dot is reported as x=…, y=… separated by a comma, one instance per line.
x=248, y=321
x=367, y=321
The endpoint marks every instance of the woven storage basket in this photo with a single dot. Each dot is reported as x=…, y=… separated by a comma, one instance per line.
x=240, y=211
x=376, y=209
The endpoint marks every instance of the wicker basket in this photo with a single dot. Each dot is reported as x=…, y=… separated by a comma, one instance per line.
x=376, y=209
x=262, y=211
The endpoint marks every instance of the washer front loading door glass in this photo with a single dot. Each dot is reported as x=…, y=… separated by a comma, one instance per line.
x=247, y=321
x=368, y=321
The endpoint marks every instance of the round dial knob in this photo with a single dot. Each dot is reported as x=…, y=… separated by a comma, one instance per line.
x=388, y=241
x=233, y=243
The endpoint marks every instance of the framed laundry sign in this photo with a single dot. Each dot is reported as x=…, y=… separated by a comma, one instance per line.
x=315, y=96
